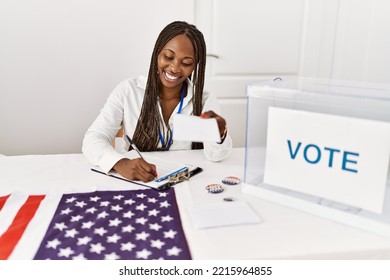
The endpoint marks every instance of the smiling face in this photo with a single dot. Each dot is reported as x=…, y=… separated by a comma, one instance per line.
x=176, y=61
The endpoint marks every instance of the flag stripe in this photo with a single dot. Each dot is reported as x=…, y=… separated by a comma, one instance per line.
x=11, y=236
x=3, y=199
x=36, y=229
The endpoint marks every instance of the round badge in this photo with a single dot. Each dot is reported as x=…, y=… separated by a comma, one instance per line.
x=214, y=188
x=231, y=180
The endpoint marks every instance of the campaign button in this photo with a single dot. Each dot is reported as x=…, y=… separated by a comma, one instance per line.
x=214, y=188
x=231, y=180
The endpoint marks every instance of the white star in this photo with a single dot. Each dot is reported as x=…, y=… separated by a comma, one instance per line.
x=70, y=200
x=76, y=218
x=165, y=204
x=104, y=203
x=116, y=208
x=66, y=211
x=65, y=252
x=170, y=234
x=114, y=223
x=152, y=200
x=141, y=221
x=141, y=207
x=97, y=248
x=163, y=194
x=157, y=243
x=94, y=198
x=53, y=243
x=141, y=195
x=118, y=197
x=87, y=224
x=129, y=201
x=128, y=228
x=155, y=226
x=142, y=236
x=128, y=214
x=127, y=246
x=153, y=212
x=174, y=251
x=166, y=218
x=102, y=215
x=111, y=256
x=83, y=240
x=144, y=254
x=79, y=257
x=100, y=231
x=91, y=210
x=60, y=226
x=113, y=238
x=71, y=233
x=80, y=204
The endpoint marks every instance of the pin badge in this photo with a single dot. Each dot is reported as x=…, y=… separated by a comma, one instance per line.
x=214, y=188
x=231, y=180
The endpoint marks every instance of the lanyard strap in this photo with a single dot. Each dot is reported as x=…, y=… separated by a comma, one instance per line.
x=179, y=112
x=181, y=100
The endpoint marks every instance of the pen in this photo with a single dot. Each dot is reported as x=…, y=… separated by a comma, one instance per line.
x=171, y=174
x=134, y=146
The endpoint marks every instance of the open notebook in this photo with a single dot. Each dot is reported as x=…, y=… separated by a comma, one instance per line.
x=170, y=173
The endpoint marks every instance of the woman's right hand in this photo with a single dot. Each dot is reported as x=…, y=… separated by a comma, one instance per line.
x=136, y=169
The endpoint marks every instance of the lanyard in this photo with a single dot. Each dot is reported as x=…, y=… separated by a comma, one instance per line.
x=178, y=111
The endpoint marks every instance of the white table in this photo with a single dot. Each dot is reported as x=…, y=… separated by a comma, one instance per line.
x=284, y=234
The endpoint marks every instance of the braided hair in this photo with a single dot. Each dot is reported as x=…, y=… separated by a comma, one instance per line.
x=146, y=134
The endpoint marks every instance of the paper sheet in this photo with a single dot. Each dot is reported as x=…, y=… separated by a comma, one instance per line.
x=223, y=214
x=195, y=129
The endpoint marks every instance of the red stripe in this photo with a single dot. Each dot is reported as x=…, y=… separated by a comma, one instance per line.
x=3, y=199
x=11, y=237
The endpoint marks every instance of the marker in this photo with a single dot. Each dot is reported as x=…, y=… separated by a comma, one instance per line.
x=131, y=143
x=134, y=146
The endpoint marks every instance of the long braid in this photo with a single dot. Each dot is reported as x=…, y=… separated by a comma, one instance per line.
x=198, y=76
x=146, y=132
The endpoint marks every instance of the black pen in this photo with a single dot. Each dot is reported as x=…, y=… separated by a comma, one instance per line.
x=134, y=146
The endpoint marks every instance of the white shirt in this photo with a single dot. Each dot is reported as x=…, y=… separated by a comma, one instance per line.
x=123, y=108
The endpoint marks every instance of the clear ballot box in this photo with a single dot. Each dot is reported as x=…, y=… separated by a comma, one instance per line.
x=321, y=146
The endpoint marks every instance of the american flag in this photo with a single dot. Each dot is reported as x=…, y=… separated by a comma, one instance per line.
x=111, y=225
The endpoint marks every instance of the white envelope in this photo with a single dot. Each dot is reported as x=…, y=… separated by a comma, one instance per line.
x=195, y=129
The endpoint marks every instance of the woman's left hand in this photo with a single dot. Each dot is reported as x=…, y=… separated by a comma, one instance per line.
x=221, y=121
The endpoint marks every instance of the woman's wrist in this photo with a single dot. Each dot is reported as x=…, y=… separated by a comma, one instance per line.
x=117, y=167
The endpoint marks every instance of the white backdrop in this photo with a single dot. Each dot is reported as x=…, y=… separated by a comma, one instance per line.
x=59, y=60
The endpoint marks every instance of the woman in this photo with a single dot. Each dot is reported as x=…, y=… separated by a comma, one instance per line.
x=145, y=108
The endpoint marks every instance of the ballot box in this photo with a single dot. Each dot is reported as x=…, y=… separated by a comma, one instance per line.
x=321, y=146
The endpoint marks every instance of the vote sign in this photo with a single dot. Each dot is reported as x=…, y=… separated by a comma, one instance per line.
x=339, y=158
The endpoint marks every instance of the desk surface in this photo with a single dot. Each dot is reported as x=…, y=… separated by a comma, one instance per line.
x=285, y=233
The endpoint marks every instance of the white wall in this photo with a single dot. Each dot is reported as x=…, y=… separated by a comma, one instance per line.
x=59, y=60
x=260, y=40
